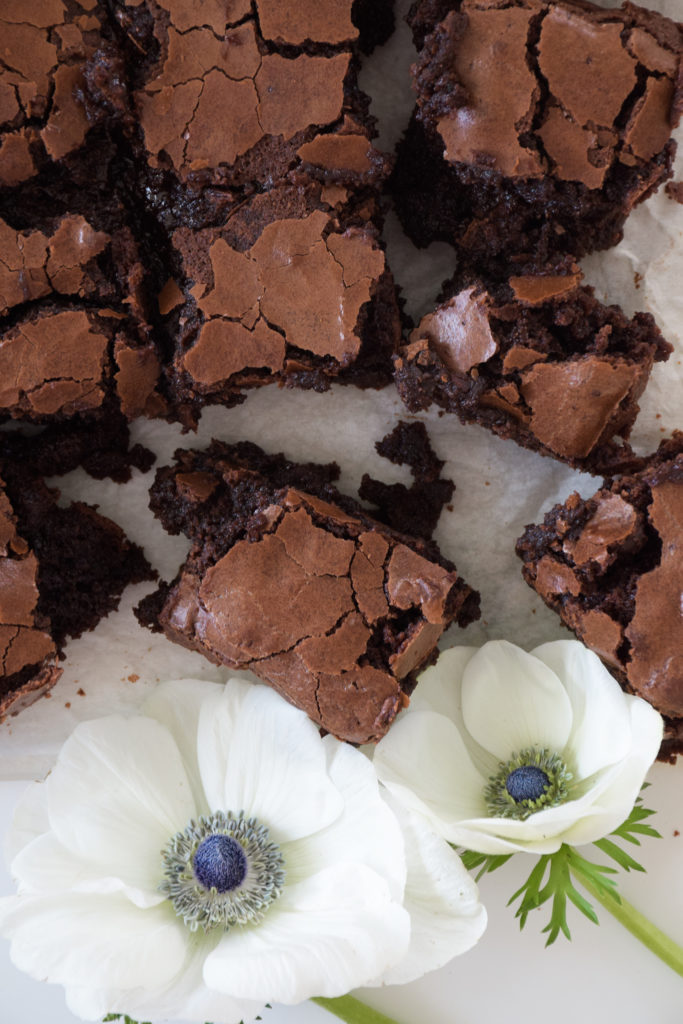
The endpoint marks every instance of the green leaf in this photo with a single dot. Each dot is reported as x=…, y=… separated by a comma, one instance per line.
x=487, y=862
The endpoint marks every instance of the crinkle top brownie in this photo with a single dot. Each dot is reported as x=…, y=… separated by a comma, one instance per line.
x=289, y=288
x=199, y=111
x=61, y=571
x=45, y=45
x=539, y=124
x=296, y=582
x=537, y=359
x=612, y=566
x=241, y=93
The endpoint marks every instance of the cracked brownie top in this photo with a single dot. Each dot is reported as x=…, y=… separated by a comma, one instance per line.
x=568, y=89
x=537, y=358
x=296, y=582
x=538, y=125
x=244, y=101
x=612, y=566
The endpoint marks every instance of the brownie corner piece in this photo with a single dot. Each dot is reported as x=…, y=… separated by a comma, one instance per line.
x=334, y=610
x=539, y=125
x=612, y=567
x=536, y=358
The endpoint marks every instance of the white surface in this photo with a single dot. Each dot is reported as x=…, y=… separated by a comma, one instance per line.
x=604, y=975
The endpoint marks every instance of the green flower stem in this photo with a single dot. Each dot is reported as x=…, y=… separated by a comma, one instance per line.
x=352, y=1010
x=651, y=936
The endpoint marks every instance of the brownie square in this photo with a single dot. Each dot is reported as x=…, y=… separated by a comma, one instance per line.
x=238, y=95
x=296, y=582
x=538, y=126
x=61, y=571
x=289, y=289
x=612, y=567
x=537, y=359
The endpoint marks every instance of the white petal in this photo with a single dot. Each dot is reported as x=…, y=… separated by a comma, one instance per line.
x=94, y=941
x=424, y=762
x=177, y=704
x=29, y=820
x=365, y=833
x=443, y=694
x=46, y=866
x=619, y=789
x=118, y=793
x=446, y=917
x=187, y=997
x=439, y=685
x=601, y=731
x=259, y=754
x=511, y=700
x=332, y=933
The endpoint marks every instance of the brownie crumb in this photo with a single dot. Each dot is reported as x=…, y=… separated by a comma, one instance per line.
x=674, y=190
x=414, y=510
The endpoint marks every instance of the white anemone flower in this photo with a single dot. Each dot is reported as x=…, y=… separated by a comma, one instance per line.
x=502, y=751
x=216, y=854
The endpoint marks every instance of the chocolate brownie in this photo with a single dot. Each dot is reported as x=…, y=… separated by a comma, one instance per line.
x=205, y=128
x=612, y=567
x=46, y=45
x=296, y=582
x=538, y=126
x=61, y=571
x=289, y=288
x=537, y=359
x=281, y=74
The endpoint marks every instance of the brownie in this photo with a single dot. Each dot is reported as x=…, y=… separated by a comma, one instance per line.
x=539, y=359
x=283, y=76
x=289, y=288
x=61, y=570
x=207, y=133
x=612, y=567
x=46, y=45
x=297, y=582
x=538, y=125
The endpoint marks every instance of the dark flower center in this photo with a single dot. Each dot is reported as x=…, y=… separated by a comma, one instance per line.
x=527, y=783
x=220, y=863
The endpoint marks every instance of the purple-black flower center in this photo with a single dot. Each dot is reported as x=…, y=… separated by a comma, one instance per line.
x=220, y=863
x=527, y=783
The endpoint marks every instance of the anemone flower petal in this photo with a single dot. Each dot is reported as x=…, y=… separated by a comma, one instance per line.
x=446, y=917
x=365, y=832
x=45, y=865
x=176, y=704
x=601, y=731
x=30, y=819
x=118, y=793
x=511, y=701
x=62, y=939
x=335, y=931
x=439, y=688
x=291, y=792
x=425, y=762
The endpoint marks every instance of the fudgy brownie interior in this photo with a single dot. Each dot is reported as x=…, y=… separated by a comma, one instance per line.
x=61, y=570
x=291, y=579
x=612, y=567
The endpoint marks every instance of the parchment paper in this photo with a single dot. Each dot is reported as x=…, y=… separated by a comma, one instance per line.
x=500, y=487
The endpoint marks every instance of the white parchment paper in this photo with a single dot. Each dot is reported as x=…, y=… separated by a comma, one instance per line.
x=500, y=487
